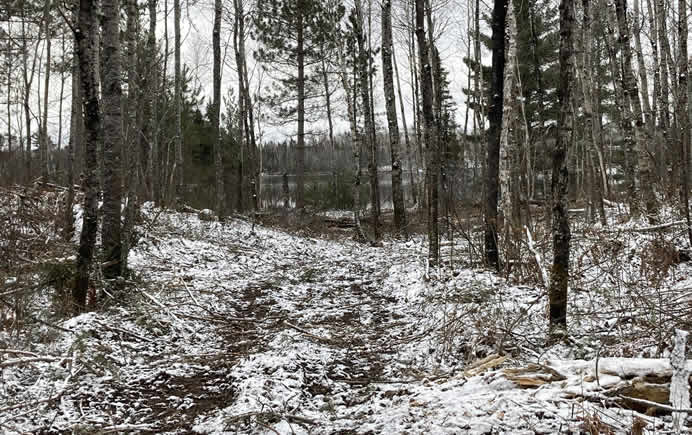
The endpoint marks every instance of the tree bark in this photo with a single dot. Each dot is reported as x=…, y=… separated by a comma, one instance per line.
x=495, y=117
x=177, y=103
x=506, y=140
x=112, y=141
x=559, y=274
x=409, y=154
x=392, y=122
x=429, y=132
x=92, y=123
x=216, y=111
x=45, y=140
x=300, y=155
x=632, y=92
x=369, y=135
x=683, y=114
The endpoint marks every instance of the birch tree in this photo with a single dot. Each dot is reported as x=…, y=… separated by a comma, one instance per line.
x=392, y=122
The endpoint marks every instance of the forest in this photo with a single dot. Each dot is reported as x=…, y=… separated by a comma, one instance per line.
x=345, y=216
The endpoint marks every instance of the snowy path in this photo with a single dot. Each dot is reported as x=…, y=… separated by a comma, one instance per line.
x=230, y=330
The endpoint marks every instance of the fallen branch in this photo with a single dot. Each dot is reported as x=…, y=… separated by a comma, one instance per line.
x=309, y=334
x=22, y=361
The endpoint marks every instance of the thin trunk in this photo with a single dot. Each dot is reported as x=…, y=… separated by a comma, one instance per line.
x=153, y=176
x=684, y=116
x=177, y=103
x=559, y=274
x=300, y=155
x=216, y=111
x=429, y=132
x=409, y=154
x=355, y=143
x=641, y=139
x=641, y=67
x=592, y=124
x=134, y=130
x=392, y=122
x=45, y=140
x=60, y=104
x=369, y=135
x=112, y=141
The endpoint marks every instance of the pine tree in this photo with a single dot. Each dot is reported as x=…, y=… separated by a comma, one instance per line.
x=290, y=34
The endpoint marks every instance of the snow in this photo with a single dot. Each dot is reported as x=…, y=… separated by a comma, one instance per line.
x=226, y=327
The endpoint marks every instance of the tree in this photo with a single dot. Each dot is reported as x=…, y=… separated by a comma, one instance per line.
x=495, y=118
x=92, y=123
x=216, y=110
x=369, y=138
x=177, y=102
x=290, y=34
x=429, y=132
x=683, y=113
x=112, y=140
x=559, y=274
x=392, y=123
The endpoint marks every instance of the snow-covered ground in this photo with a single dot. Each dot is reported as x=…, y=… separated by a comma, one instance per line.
x=234, y=328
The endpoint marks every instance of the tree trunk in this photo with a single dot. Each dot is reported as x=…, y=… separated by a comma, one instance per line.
x=134, y=126
x=216, y=111
x=355, y=142
x=151, y=126
x=495, y=118
x=429, y=132
x=177, y=103
x=392, y=123
x=112, y=141
x=559, y=274
x=300, y=151
x=593, y=124
x=683, y=114
x=641, y=139
x=45, y=140
x=409, y=155
x=506, y=137
x=76, y=131
x=92, y=120
x=369, y=135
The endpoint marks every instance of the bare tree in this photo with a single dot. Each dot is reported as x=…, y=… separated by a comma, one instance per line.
x=216, y=110
x=559, y=274
x=92, y=122
x=112, y=140
x=393, y=125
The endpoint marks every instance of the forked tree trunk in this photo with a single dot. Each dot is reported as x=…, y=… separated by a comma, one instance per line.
x=559, y=274
x=392, y=123
x=369, y=136
x=429, y=132
x=355, y=142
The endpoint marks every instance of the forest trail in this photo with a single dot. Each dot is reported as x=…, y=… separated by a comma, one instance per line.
x=235, y=328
